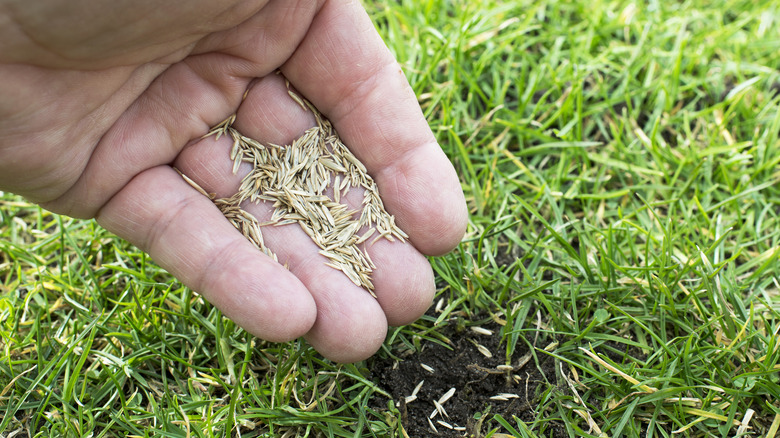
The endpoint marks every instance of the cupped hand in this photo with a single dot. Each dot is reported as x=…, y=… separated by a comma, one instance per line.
x=100, y=101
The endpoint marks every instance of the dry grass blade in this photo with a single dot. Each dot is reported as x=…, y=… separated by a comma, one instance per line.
x=296, y=179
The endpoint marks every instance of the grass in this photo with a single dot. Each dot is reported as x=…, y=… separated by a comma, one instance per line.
x=620, y=161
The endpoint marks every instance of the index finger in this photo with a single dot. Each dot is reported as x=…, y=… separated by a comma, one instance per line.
x=346, y=70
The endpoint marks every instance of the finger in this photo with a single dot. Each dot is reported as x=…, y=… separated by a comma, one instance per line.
x=188, y=236
x=345, y=69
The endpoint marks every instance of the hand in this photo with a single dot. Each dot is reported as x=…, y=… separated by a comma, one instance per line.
x=101, y=100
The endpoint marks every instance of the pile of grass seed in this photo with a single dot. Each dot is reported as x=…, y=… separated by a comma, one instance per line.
x=305, y=183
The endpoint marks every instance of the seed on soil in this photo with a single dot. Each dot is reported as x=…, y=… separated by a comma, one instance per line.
x=417, y=388
x=439, y=410
x=433, y=428
x=504, y=396
x=439, y=305
x=481, y=331
x=445, y=424
x=483, y=350
x=523, y=361
x=447, y=395
x=295, y=179
x=427, y=368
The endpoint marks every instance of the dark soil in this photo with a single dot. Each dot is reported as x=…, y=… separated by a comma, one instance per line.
x=475, y=378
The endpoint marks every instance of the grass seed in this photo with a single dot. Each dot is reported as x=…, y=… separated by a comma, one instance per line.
x=295, y=179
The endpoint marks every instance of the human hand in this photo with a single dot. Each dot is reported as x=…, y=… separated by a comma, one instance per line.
x=101, y=101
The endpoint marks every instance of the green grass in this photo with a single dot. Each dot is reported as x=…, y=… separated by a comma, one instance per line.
x=621, y=164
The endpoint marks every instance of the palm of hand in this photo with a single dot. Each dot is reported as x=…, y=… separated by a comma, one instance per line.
x=102, y=142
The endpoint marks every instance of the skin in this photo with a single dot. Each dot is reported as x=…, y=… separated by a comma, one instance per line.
x=101, y=100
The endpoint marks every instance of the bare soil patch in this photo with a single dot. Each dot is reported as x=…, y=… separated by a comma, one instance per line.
x=484, y=386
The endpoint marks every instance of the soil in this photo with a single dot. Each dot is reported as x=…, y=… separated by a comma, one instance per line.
x=484, y=386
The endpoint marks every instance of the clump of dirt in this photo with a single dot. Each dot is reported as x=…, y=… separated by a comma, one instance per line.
x=474, y=365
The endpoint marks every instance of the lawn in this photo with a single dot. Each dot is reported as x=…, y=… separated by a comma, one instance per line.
x=619, y=276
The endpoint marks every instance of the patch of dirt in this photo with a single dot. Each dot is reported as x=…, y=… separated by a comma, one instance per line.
x=484, y=386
